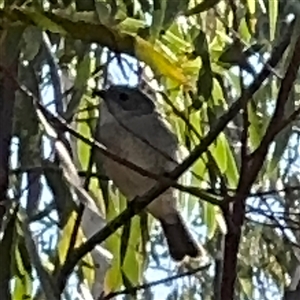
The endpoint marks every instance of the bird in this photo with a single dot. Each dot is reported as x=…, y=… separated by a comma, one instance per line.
x=131, y=127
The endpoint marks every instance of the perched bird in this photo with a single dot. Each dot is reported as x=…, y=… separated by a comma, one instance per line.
x=131, y=128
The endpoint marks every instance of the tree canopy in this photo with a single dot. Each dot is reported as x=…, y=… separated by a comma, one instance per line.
x=224, y=74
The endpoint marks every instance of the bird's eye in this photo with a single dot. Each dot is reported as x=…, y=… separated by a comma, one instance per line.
x=123, y=97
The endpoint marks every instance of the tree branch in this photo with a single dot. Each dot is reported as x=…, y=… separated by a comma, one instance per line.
x=247, y=178
x=9, y=59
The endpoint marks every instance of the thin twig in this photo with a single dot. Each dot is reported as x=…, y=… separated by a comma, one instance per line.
x=145, y=286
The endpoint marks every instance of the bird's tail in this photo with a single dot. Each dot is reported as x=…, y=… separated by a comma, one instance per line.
x=179, y=239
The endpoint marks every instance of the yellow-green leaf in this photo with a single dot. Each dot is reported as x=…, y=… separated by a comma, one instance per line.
x=219, y=152
x=64, y=242
x=232, y=173
x=273, y=14
x=251, y=6
x=23, y=282
x=158, y=61
x=209, y=218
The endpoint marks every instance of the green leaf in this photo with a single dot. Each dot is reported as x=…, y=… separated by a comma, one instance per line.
x=195, y=120
x=125, y=241
x=124, y=247
x=244, y=31
x=273, y=14
x=127, y=283
x=23, y=281
x=219, y=152
x=225, y=160
x=232, y=173
x=255, y=128
x=84, y=150
x=158, y=61
x=26, y=263
x=247, y=286
x=209, y=218
x=200, y=169
x=64, y=241
x=220, y=220
x=113, y=278
x=132, y=264
x=186, y=200
x=201, y=7
x=88, y=270
x=175, y=40
x=83, y=72
x=251, y=6
x=87, y=266
x=217, y=93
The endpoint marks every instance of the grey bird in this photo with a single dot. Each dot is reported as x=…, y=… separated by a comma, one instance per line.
x=131, y=128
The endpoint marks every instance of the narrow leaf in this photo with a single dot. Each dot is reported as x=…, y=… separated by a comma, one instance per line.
x=273, y=14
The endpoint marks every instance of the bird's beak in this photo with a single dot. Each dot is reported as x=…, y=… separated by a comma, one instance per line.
x=99, y=93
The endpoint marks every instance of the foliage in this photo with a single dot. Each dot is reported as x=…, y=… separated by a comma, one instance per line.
x=199, y=57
